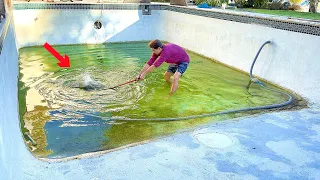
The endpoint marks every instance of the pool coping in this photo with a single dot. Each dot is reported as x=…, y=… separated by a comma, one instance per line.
x=4, y=29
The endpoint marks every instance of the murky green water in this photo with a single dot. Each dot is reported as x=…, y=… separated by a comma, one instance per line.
x=66, y=110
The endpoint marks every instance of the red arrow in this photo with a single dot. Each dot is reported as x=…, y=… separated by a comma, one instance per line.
x=64, y=61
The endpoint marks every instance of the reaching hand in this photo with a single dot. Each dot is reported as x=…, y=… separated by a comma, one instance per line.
x=138, y=77
x=142, y=76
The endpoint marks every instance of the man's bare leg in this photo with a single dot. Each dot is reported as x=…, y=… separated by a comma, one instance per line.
x=174, y=86
x=167, y=76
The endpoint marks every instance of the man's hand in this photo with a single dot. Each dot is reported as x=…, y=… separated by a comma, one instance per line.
x=138, y=77
x=144, y=73
x=142, y=76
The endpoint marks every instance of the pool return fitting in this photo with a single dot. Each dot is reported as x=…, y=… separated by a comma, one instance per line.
x=252, y=80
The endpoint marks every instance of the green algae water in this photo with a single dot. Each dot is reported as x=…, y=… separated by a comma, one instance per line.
x=66, y=111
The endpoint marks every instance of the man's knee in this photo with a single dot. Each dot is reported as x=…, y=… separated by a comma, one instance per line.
x=167, y=76
x=176, y=77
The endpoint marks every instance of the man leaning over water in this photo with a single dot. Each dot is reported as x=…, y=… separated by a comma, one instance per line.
x=174, y=55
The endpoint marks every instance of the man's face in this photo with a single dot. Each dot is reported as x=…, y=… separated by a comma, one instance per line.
x=157, y=51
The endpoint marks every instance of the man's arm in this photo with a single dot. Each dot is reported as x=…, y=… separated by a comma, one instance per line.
x=148, y=64
x=149, y=70
x=156, y=63
x=145, y=67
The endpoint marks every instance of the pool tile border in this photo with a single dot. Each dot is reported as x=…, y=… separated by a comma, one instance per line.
x=305, y=27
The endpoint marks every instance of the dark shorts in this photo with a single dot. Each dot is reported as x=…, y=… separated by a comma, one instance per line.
x=182, y=67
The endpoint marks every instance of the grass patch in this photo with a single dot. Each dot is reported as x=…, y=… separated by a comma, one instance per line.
x=289, y=13
x=162, y=1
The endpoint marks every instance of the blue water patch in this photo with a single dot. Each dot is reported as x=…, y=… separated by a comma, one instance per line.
x=75, y=135
x=204, y=5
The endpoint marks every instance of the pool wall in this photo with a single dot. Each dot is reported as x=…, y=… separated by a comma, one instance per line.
x=76, y=26
x=12, y=147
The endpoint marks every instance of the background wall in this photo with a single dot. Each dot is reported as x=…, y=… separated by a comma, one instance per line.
x=74, y=26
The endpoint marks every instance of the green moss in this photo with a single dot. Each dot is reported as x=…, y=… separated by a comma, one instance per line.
x=206, y=87
x=37, y=120
x=22, y=102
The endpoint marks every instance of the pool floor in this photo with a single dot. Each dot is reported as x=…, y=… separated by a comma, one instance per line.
x=72, y=111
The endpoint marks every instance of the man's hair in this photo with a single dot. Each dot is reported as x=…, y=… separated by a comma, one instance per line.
x=155, y=44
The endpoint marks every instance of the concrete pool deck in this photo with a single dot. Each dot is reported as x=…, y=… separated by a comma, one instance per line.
x=278, y=145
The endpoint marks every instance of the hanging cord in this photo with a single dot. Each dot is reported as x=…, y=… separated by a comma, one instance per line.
x=97, y=23
x=101, y=10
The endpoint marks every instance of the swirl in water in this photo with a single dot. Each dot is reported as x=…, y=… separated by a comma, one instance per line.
x=89, y=90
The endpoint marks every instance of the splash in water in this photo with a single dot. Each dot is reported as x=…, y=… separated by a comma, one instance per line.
x=89, y=83
x=83, y=81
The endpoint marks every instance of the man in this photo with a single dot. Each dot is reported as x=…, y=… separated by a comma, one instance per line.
x=173, y=54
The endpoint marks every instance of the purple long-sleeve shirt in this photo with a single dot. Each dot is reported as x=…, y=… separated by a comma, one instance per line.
x=171, y=53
